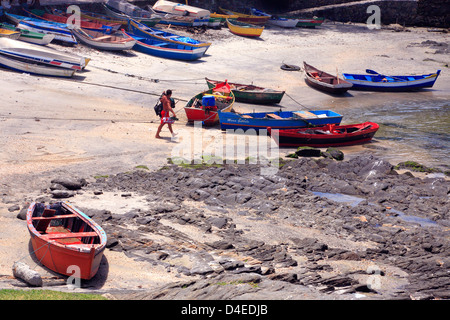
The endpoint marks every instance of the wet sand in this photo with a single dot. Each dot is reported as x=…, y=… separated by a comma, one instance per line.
x=52, y=127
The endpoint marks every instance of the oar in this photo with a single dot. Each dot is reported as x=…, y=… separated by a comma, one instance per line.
x=382, y=75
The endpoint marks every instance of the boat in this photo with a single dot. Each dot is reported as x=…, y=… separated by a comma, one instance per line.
x=140, y=29
x=105, y=19
x=276, y=20
x=277, y=119
x=324, y=81
x=244, y=29
x=222, y=17
x=124, y=10
x=167, y=50
x=326, y=136
x=310, y=22
x=248, y=18
x=373, y=81
x=63, y=237
x=34, y=68
x=204, y=107
x=30, y=36
x=41, y=54
x=116, y=41
x=7, y=33
x=63, y=18
x=249, y=93
x=180, y=9
x=59, y=30
x=180, y=21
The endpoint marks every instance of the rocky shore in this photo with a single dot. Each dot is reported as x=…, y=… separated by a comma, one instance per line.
x=318, y=229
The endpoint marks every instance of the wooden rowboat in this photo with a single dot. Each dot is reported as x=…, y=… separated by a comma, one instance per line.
x=309, y=22
x=374, y=81
x=248, y=18
x=251, y=94
x=7, y=33
x=277, y=119
x=124, y=10
x=64, y=239
x=29, y=36
x=204, y=107
x=111, y=42
x=324, y=81
x=326, y=136
x=244, y=29
x=276, y=20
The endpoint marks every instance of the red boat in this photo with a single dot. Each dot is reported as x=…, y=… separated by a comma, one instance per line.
x=65, y=239
x=329, y=135
x=205, y=106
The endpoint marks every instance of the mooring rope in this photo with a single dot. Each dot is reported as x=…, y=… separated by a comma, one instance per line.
x=296, y=101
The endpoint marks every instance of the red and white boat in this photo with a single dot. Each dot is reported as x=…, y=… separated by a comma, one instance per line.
x=329, y=135
x=66, y=240
x=205, y=106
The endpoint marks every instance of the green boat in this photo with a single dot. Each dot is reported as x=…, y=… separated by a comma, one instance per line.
x=309, y=22
x=249, y=93
x=29, y=36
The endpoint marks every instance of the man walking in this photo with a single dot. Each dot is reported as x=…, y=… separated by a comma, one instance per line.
x=165, y=118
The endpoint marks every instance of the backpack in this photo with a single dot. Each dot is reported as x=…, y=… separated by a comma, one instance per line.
x=159, y=106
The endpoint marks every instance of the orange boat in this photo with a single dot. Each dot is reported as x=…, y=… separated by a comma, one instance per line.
x=65, y=239
x=205, y=106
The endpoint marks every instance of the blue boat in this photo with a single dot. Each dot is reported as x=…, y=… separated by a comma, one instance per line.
x=142, y=30
x=59, y=30
x=374, y=81
x=277, y=119
x=167, y=50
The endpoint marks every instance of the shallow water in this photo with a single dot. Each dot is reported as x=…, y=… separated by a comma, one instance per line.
x=354, y=201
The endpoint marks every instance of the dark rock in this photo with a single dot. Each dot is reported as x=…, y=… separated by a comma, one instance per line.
x=70, y=183
x=335, y=154
x=60, y=194
x=308, y=152
x=218, y=222
x=14, y=208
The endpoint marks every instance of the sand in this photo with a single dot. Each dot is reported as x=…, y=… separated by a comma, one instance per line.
x=89, y=126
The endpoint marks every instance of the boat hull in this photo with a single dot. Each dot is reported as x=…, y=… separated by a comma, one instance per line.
x=118, y=45
x=257, y=95
x=66, y=257
x=247, y=18
x=282, y=119
x=326, y=82
x=35, y=69
x=350, y=135
x=310, y=23
x=376, y=83
x=244, y=29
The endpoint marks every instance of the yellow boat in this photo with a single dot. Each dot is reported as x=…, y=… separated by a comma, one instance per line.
x=244, y=29
x=9, y=34
x=247, y=18
x=223, y=17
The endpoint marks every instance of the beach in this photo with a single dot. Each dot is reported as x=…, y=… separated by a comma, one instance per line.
x=100, y=126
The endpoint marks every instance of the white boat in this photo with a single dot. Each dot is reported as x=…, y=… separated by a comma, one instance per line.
x=29, y=36
x=111, y=42
x=123, y=10
x=276, y=20
x=41, y=54
x=34, y=68
x=201, y=15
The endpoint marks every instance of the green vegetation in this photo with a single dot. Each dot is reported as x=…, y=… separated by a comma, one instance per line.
x=10, y=294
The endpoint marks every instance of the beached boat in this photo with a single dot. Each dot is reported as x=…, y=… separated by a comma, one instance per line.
x=222, y=17
x=180, y=9
x=276, y=20
x=310, y=22
x=34, y=68
x=324, y=81
x=41, y=54
x=125, y=10
x=244, y=29
x=329, y=135
x=140, y=29
x=64, y=18
x=105, y=19
x=167, y=50
x=58, y=30
x=29, y=36
x=204, y=107
x=63, y=237
x=248, y=18
x=374, y=81
x=249, y=93
x=7, y=33
x=277, y=119
x=116, y=41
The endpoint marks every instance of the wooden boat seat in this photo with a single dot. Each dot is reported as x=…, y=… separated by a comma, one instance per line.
x=274, y=116
x=64, y=235
x=247, y=116
x=62, y=216
x=102, y=38
x=305, y=114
